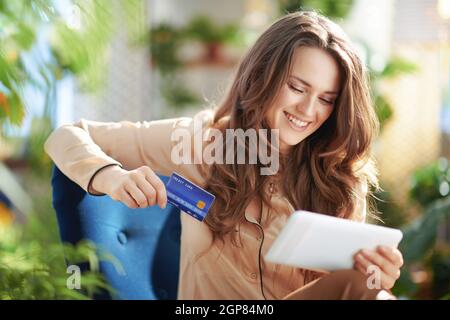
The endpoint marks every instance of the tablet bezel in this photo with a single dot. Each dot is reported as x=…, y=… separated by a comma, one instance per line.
x=330, y=242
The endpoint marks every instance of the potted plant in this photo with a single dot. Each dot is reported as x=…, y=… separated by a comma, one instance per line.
x=334, y=9
x=213, y=36
x=165, y=41
x=421, y=245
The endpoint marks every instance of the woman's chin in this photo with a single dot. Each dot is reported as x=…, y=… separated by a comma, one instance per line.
x=288, y=144
x=291, y=138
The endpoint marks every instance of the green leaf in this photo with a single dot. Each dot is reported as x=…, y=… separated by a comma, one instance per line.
x=383, y=110
x=24, y=36
x=334, y=9
x=420, y=234
x=17, y=109
x=398, y=66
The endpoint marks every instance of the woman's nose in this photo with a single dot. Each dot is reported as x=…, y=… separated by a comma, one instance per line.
x=306, y=108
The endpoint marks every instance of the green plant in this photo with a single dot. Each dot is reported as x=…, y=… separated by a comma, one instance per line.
x=165, y=41
x=446, y=297
x=28, y=58
x=440, y=266
x=18, y=34
x=84, y=50
x=37, y=47
x=393, y=68
x=420, y=235
x=431, y=182
x=34, y=270
x=205, y=30
x=334, y=9
x=429, y=189
x=32, y=258
x=391, y=212
x=419, y=239
x=383, y=109
x=35, y=154
x=177, y=95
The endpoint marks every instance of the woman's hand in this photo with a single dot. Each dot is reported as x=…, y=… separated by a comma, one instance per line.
x=388, y=260
x=137, y=188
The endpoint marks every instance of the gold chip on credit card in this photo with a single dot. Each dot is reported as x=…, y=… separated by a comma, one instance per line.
x=200, y=204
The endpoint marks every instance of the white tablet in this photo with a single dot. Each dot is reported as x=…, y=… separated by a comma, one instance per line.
x=324, y=243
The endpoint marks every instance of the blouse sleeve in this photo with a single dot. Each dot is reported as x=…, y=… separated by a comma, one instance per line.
x=82, y=149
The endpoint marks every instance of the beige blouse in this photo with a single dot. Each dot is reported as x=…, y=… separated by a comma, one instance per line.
x=223, y=272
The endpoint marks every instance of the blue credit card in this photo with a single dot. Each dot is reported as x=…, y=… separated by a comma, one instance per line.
x=188, y=197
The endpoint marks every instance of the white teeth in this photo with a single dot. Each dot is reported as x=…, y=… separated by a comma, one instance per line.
x=296, y=121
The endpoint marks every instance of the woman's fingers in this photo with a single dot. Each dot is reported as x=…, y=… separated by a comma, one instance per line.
x=386, y=281
x=385, y=264
x=147, y=189
x=358, y=266
x=136, y=194
x=143, y=186
x=126, y=198
x=158, y=185
x=389, y=273
x=362, y=262
x=392, y=254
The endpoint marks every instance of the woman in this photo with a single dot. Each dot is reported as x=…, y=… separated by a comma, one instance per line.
x=302, y=80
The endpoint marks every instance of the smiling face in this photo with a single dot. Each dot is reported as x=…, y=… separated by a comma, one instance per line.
x=307, y=98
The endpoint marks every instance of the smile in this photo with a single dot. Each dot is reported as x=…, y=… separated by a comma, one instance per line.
x=295, y=122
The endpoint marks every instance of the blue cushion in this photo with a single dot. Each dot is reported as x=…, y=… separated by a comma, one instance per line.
x=146, y=241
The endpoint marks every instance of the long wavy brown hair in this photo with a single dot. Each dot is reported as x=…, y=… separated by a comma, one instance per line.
x=328, y=168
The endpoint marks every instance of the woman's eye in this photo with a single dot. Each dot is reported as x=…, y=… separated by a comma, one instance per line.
x=295, y=89
x=327, y=101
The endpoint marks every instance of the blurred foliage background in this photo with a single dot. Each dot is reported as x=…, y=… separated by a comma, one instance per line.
x=40, y=45
x=32, y=259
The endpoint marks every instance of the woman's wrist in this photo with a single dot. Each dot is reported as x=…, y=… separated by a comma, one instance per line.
x=99, y=184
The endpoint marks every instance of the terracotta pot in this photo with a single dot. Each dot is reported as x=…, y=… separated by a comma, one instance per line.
x=213, y=52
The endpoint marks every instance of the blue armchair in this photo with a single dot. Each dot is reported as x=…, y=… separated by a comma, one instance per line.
x=145, y=241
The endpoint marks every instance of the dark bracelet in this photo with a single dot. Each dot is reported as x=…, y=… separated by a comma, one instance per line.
x=93, y=176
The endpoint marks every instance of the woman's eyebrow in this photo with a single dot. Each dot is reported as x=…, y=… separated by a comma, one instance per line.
x=309, y=85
